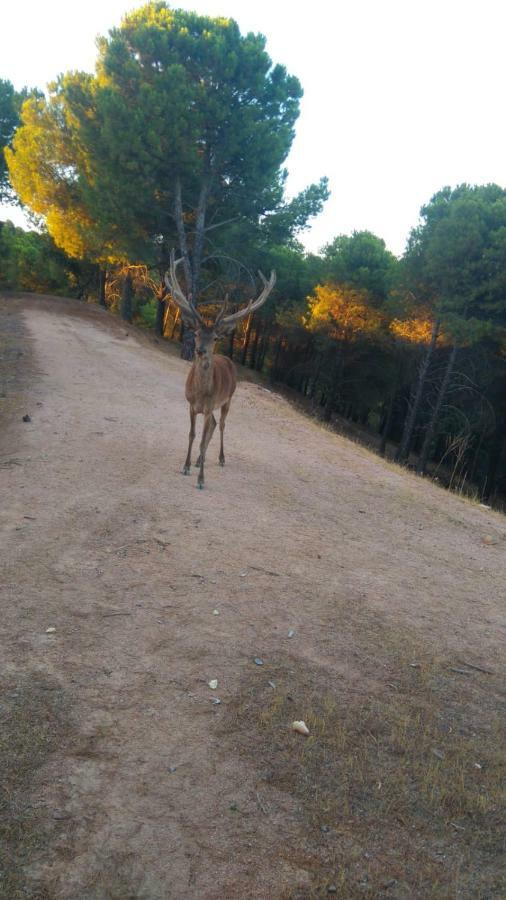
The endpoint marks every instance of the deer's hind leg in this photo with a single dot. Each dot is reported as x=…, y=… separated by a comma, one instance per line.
x=188, y=463
x=224, y=412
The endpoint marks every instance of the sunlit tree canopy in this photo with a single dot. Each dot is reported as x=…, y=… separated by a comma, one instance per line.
x=341, y=313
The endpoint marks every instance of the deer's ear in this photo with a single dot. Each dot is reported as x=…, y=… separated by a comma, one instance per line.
x=189, y=323
x=223, y=329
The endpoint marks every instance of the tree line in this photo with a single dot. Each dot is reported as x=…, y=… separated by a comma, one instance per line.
x=179, y=139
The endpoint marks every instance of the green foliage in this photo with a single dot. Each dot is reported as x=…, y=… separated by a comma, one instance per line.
x=361, y=260
x=178, y=101
x=456, y=258
x=147, y=313
x=30, y=261
x=9, y=118
x=289, y=219
x=210, y=97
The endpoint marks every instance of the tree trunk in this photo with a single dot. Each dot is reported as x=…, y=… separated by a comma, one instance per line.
x=335, y=381
x=494, y=461
x=385, y=431
x=247, y=335
x=434, y=419
x=316, y=368
x=165, y=317
x=175, y=324
x=181, y=233
x=263, y=347
x=160, y=316
x=387, y=424
x=273, y=375
x=102, y=276
x=231, y=344
x=198, y=244
x=187, y=342
x=126, y=306
x=476, y=456
x=252, y=362
x=409, y=424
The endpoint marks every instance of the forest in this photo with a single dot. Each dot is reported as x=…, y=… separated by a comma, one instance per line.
x=179, y=139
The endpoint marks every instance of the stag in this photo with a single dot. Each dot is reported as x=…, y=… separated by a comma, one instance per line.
x=212, y=378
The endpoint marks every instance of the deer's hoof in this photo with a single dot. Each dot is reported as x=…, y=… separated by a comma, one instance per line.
x=187, y=470
x=222, y=462
x=200, y=487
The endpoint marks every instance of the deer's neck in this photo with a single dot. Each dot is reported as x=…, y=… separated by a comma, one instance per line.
x=204, y=374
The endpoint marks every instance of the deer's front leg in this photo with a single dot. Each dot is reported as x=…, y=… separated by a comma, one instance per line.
x=188, y=464
x=209, y=426
x=209, y=435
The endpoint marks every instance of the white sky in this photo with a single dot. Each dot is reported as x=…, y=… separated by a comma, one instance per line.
x=401, y=97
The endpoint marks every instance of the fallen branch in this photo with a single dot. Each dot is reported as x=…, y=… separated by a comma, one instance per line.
x=267, y=571
x=478, y=668
x=109, y=614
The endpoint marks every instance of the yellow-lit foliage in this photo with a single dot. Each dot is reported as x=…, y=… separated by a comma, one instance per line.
x=341, y=312
x=46, y=167
x=415, y=330
x=40, y=166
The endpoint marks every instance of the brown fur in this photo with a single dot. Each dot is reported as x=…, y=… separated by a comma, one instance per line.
x=206, y=393
x=210, y=384
x=212, y=379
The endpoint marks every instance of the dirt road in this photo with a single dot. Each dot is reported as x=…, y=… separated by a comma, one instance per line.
x=145, y=791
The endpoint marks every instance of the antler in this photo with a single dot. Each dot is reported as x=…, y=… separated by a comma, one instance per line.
x=186, y=306
x=219, y=317
x=224, y=322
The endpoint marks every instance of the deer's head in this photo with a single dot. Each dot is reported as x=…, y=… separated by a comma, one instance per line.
x=207, y=335
x=205, y=340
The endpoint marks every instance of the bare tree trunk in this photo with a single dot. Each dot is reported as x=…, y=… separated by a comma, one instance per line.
x=476, y=455
x=160, y=317
x=247, y=335
x=187, y=342
x=181, y=233
x=385, y=432
x=273, y=375
x=317, y=363
x=409, y=424
x=126, y=308
x=387, y=425
x=192, y=266
x=264, y=344
x=176, y=322
x=252, y=362
x=102, y=276
x=161, y=309
x=187, y=335
x=434, y=419
x=494, y=461
x=198, y=244
x=165, y=317
x=335, y=380
x=231, y=344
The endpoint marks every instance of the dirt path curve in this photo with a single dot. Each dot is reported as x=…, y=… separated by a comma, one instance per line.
x=104, y=540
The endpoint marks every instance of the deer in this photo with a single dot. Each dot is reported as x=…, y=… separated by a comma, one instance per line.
x=212, y=378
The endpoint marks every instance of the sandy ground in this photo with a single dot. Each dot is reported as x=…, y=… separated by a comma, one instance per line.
x=104, y=540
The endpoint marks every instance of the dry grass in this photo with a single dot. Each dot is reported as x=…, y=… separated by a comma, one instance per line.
x=32, y=727
x=399, y=790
